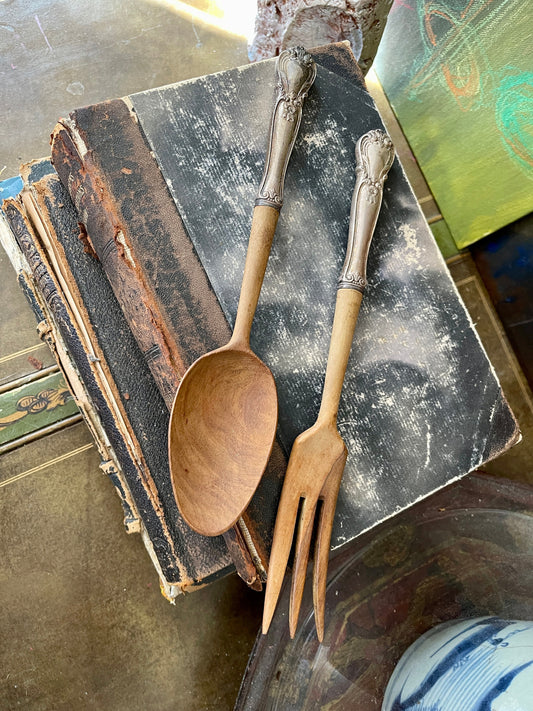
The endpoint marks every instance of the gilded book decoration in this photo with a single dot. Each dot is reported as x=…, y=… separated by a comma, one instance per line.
x=33, y=406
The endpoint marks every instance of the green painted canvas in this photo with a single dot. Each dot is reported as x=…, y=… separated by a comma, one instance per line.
x=459, y=76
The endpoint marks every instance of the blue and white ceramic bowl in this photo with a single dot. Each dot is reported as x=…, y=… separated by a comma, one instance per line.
x=480, y=664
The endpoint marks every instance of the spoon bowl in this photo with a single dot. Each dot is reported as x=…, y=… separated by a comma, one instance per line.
x=222, y=427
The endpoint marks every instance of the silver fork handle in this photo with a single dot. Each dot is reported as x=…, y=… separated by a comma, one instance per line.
x=374, y=154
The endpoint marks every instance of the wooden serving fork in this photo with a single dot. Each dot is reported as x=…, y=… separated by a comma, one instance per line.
x=319, y=454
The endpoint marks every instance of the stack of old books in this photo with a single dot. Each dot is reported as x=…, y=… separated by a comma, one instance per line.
x=130, y=243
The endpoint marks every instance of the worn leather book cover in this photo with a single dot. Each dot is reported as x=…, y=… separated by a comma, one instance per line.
x=18, y=239
x=83, y=323
x=164, y=182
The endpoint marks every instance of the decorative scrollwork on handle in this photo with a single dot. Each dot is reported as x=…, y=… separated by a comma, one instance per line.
x=374, y=154
x=296, y=72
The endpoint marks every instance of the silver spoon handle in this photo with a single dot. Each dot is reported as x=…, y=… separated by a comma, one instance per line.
x=296, y=72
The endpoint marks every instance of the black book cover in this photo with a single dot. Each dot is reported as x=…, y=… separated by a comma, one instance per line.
x=136, y=422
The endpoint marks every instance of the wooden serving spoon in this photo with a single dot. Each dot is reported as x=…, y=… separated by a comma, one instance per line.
x=224, y=417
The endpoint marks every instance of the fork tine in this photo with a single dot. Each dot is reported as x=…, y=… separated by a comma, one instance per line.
x=281, y=548
x=328, y=494
x=301, y=556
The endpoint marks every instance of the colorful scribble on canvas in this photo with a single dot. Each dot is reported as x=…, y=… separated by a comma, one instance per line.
x=459, y=75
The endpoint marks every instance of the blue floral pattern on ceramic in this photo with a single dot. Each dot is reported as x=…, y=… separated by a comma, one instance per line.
x=481, y=664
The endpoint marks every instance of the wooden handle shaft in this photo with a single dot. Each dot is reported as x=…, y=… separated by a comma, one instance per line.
x=346, y=313
x=264, y=224
x=375, y=154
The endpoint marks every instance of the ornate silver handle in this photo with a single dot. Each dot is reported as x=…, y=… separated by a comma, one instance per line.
x=296, y=72
x=374, y=154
